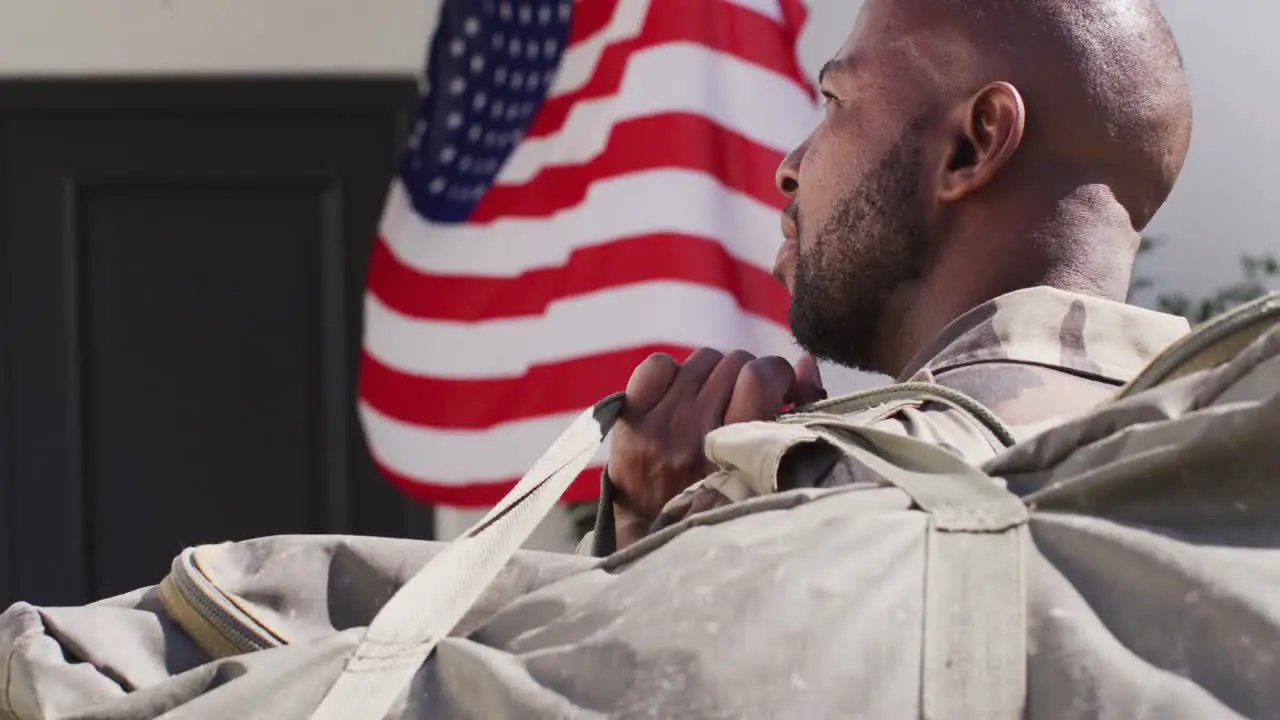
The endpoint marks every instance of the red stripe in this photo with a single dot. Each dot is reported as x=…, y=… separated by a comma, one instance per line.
x=658, y=257
x=721, y=26
x=585, y=488
x=677, y=140
x=589, y=18
x=559, y=387
x=794, y=15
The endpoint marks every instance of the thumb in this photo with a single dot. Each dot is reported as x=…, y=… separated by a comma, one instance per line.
x=809, y=387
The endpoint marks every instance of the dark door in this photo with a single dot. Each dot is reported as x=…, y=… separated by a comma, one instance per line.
x=184, y=263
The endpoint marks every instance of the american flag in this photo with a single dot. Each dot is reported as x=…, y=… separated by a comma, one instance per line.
x=586, y=183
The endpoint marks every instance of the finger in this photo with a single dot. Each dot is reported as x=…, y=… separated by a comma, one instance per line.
x=761, y=391
x=808, y=388
x=718, y=390
x=649, y=383
x=694, y=373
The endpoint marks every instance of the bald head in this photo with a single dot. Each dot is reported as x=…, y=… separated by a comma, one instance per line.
x=974, y=147
x=1102, y=81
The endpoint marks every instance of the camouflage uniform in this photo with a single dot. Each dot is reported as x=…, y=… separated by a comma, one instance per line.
x=1035, y=357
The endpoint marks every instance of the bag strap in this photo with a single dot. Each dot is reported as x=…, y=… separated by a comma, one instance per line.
x=975, y=597
x=1209, y=345
x=975, y=625
x=404, y=633
x=933, y=392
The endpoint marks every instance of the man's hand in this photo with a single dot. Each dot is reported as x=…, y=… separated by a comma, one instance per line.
x=670, y=408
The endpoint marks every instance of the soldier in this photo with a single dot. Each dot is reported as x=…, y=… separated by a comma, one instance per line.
x=966, y=213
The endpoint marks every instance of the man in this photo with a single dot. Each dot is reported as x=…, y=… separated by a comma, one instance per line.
x=966, y=213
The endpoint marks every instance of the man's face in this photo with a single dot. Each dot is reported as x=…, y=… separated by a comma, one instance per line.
x=857, y=228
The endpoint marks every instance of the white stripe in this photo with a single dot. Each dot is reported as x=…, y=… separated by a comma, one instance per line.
x=693, y=79
x=604, y=321
x=667, y=200
x=578, y=64
x=768, y=8
x=452, y=457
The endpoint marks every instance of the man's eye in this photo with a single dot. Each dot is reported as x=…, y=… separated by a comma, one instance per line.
x=828, y=98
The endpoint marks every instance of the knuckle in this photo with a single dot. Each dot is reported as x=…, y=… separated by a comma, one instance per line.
x=658, y=361
x=704, y=355
x=741, y=358
x=765, y=371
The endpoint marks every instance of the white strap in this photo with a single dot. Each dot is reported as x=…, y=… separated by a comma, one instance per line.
x=975, y=626
x=405, y=632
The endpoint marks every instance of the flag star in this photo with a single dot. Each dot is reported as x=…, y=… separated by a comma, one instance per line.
x=479, y=101
x=544, y=15
x=517, y=79
x=497, y=109
x=498, y=41
x=454, y=121
x=457, y=86
x=500, y=75
x=513, y=112
x=474, y=133
x=550, y=47
x=477, y=63
x=471, y=26
x=526, y=14
x=566, y=10
x=465, y=163
x=504, y=11
x=447, y=154
x=457, y=47
x=514, y=47
x=531, y=51
x=437, y=186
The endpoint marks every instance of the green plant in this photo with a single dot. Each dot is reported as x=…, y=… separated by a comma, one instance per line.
x=1258, y=273
x=583, y=516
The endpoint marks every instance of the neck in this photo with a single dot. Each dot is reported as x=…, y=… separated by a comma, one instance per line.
x=1083, y=243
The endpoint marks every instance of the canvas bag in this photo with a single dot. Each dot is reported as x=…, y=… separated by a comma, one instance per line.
x=1130, y=569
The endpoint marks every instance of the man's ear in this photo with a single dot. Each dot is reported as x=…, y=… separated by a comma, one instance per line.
x=988, y=130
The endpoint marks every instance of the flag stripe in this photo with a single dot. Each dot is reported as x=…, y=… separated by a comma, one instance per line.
x=556, y=388
x=585, y=488
x=720, y=26
x=584, y=135
x=508, y=347
x=590, y=17
x=687, y=203
x=582, y=56
x=694, y=143
x=449, y=457
x=665, y=256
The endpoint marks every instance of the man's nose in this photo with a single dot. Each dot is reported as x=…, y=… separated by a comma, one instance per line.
x=787, y=178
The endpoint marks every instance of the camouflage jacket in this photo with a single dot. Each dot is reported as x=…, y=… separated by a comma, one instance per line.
x=1035, y=357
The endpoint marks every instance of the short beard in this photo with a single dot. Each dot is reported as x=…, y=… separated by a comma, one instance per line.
x=873, y=246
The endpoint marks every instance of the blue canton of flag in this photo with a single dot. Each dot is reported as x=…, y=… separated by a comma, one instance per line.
x=490, y=66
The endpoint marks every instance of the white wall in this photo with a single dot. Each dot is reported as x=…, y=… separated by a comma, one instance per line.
x=149, y=37
x=1222, y=207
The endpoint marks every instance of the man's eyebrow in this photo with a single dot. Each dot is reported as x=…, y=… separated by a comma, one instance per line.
x=830, y=66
